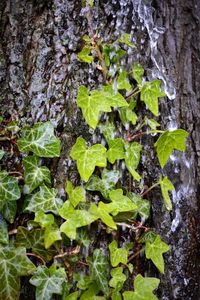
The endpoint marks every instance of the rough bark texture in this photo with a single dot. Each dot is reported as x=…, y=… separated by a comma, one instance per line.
x=39, y=77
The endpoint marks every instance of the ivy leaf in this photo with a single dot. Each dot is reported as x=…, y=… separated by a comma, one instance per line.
x=4, y=239
x=75, y=219
x=9, y=189
x=76, y=195
x=166, y=185
x=85, y=56
x=138, y=72
x=2, y=152
x=116, y=150
x=40, y=140
x=154, y=252
x=143, y=289
x=143, y=206
x=94, y=102
x=119, y=202
x=132, y=158
x=9, y=211
x=125, y=39
x=117, y=255
x=150, y=92
x=34, y=175
x=13, y=264
x=98, y=269
x=102, y=213
x=72, y=296
x=91, y=292
x=51, y=235
x=44, y=220
x=127, y=114
x=45, y=200
x=87, y=159
x=34, y=239
x=118, y=278
x=104, y=185
x=153, y=124
x=108, y=129
x=168, y=141
x=48, y=282
x=123, y=82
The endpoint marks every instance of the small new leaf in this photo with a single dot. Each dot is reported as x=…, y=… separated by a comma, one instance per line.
x=104, y=185
x=150, y=92
x=116, y=150
x=119, y=203
x=85, y=56
x=101, y=212
x=34, y=175
x=167, y=142
x=13, y=264
x=126, y=39
x=117, y=255
x=154, y=252
x=138, y=72
x=166, y=186
x=76, y=195
x=123, y=82
x=143, y=289
x=118, y=278
x=143, y=206
x=132, y=158
x=87, y=159
x=127, y=114
x=48, y=282
x=40, y=140
x=9, y=189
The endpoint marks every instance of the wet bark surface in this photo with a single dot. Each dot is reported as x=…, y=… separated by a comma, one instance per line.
x=39, y=77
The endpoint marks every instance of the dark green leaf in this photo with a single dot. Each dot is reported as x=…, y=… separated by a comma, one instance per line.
x=168, y=141
x=9, y=211
x=4, y=240
x=40, y=140
x=13, y=264
x=9, y=189
x=143, y=206
x=34, y=175
x=108, y=129
x=48, y=282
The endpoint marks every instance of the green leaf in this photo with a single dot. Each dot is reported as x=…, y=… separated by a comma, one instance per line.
x=118, y=278
x=150, y=92
x=9, y=211
x=143, y=289
x=98, y=269
x=119, y=203
x=4, y=239
x=9, y=189
x=2, y=152
x=40, y=140
x=34, y=239
x=45, y=200
x=91, y=292
x=48, y=282
x=44, y=220
x=117, y=255
x=76, y=195
x=166, y=186
x=101, y=212
x=104, y=185
x=126, y=39
x=108, y=129
x=138, y=72
x=85, y=56
x=127, y=114
x=154, y=252
x=116, y=150
x=123, y=82
x=87, y=159
x=153, y=124
x=143, y=206
x=168, y=141
x=94, y=102
x=132, y=158
x=75, y=219
x=72, y=296
x=51, y=235
x=34, y=175
x=13, y=264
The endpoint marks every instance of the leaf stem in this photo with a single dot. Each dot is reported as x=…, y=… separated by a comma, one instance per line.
x=149, y=189
x=37, y=256
x=135, y=254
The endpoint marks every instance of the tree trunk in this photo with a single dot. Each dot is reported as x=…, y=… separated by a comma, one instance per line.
x=40, y=74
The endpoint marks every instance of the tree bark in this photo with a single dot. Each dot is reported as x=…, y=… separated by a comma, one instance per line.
x=40, y=75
